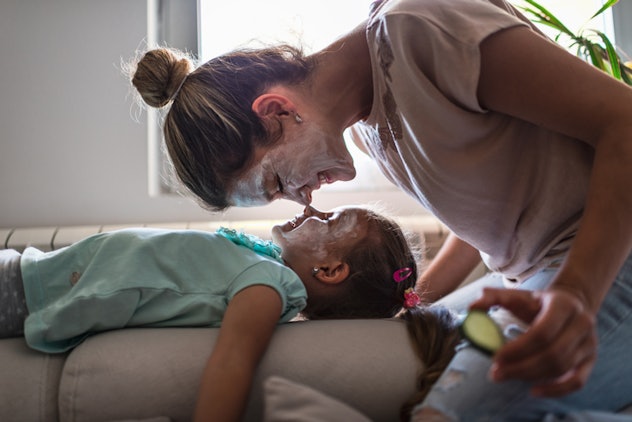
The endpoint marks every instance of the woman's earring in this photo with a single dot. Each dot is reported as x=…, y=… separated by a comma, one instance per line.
x=315, y=270
x=298, y=118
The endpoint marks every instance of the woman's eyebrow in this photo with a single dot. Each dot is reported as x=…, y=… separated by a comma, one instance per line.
x=267, y=195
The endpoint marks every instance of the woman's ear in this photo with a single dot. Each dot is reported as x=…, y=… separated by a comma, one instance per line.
x=333, y=273
x=272, y=105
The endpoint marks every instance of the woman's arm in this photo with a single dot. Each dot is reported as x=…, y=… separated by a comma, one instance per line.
x=247, y=327
x=454, y=262
x=527, y=76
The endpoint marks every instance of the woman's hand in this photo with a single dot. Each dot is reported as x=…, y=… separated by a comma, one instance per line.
x=557, y=352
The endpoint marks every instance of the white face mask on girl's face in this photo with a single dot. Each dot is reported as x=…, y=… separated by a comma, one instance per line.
x=293, y=170
x=313, y=236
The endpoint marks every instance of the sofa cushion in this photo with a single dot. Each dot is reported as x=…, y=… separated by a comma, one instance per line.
x=287, y=401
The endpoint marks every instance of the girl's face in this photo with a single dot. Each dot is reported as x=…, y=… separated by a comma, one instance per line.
x=293, y=168
x=311, y=238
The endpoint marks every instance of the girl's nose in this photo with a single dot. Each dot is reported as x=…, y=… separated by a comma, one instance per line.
x=313, y=212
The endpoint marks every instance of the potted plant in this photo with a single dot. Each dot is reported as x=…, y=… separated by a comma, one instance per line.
x=591, y=45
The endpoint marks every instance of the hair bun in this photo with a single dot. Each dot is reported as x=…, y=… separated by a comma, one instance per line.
x=159, y=75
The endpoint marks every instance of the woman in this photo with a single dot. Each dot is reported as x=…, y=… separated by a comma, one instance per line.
x=520, y=148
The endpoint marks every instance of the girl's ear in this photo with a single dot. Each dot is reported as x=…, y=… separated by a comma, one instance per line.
x=334, y=273
x=272, y=105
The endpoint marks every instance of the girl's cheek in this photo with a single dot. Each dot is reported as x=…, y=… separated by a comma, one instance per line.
x=311, y=242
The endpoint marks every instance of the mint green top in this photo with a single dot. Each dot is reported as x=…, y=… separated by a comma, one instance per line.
x=143, y=277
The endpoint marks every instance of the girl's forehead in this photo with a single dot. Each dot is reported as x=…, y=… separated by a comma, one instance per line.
x=350, y=210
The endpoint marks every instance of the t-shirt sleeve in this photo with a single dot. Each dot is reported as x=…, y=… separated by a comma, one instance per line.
x=441, y=39
x=285, y=281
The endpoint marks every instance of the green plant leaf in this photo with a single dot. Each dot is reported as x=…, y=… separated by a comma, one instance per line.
x=626, y=74
x=547, y=17
x=607, y=5
x=613, y=57
x=591, y=45
x=596, y=55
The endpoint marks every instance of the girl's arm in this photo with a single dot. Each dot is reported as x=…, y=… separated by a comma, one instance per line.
x=247, y=327
x=454, y=262
x=527, y=76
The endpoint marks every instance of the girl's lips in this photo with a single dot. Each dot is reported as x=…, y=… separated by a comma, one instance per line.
x=296, y=221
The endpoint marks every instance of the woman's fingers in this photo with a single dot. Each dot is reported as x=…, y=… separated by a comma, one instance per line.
x=524, y=304
x=558, y=350
x=571, y=381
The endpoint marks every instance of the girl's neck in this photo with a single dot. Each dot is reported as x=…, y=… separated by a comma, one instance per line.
x=252, y=242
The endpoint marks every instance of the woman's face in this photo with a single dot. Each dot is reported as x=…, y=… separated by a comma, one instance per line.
x=301, y=162
x=309, y=239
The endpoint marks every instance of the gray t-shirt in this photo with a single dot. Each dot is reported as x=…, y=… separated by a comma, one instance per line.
x=511, y=189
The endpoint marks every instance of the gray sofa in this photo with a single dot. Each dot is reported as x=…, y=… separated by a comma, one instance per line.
x=352, y=371
x=140, y=374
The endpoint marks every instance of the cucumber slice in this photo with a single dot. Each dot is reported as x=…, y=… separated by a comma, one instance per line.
x=482, y=331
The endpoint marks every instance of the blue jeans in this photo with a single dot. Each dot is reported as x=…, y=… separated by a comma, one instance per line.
x=464, y=393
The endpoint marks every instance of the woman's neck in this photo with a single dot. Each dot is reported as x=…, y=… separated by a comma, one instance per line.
x=342, y=84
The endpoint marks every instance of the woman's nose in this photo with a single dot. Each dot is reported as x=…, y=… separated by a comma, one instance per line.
x=302, y=196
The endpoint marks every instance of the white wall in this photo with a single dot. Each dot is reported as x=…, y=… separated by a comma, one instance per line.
x=71, y=152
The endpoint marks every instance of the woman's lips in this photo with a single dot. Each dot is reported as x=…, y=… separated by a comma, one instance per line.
x=325, y=179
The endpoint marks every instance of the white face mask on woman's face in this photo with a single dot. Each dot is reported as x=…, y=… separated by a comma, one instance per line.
x=314, y=236
x=293, y=169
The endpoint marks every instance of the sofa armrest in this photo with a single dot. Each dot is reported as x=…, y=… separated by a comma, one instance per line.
x=144, y=373
x=29, y=383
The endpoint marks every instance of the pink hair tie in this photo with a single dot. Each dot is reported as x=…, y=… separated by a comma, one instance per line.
x=411, y=298
x=402, y=274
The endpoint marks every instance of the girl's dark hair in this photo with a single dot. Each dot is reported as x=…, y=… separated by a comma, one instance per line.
x=434, y=336
x=210, y=129
x=370, y=290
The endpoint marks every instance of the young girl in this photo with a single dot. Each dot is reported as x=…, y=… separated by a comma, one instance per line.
x=348, y=263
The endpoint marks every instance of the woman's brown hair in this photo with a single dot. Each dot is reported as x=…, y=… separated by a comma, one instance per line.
x=210, y=129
